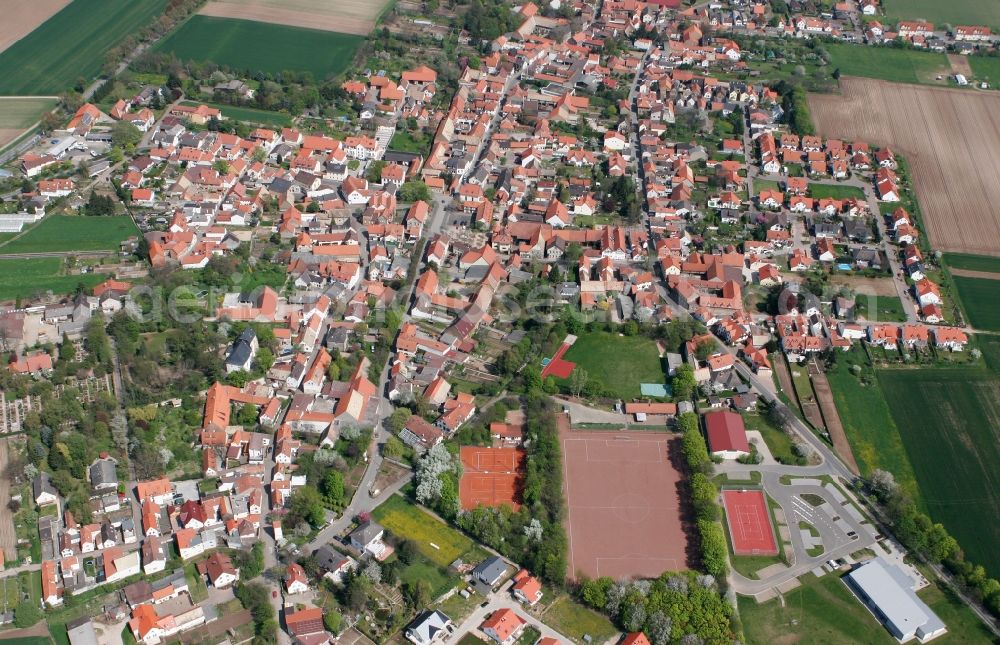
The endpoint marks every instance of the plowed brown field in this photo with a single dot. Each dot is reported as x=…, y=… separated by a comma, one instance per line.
x=342, y=16
x=950, y=139
x=21, y=18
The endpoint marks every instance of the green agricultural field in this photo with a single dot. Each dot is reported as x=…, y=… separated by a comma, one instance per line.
x=620, y=363
x=822, y=191
x=71, y=44
x=250, y=115
x=823, y=610
x=979, y=301
x=971, y=262
x=956, y=12
x=73, y=233
x=875, y=439
x=25, y=278
x=21, y=113
x=950, y=419
x=986, y=68
x=261, y=47
x=887, y=63
x=402, y=518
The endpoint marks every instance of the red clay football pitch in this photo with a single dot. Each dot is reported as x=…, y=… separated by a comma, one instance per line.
x=623, y=514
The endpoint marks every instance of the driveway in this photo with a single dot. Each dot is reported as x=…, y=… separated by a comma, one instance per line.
x=501, y=599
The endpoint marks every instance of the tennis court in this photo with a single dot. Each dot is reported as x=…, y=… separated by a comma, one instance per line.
x=491, y=476
x=749, y=522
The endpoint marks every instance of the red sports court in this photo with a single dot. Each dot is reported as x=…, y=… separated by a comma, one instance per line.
x=623, y=503
x=749, y=522
x=491, y=476
x=557, y=367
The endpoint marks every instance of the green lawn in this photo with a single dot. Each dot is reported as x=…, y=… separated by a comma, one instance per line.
x=26, y=278
x=875, y=439
x=435, y=576
x=822, y=191
x=760, y=185
x=980, y=302
x=405, y=141
x=986, y=68
x=575, y=621
x=253, y=47
x=886, y=63
x=951, y=422
x=619, y=363
x=22, y=112
x=778, y=441
x=402, y=518
x=249, y=115
x=955, y=12
x=880, y=308
x=823, y=610
x=971, y=262
x=73, y=233
x=71, y=44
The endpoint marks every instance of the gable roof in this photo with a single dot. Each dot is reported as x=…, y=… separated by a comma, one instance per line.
x=726, y=432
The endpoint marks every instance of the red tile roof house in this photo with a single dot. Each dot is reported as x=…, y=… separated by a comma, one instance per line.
x=727, y=437
x=635, y=638
x=220, y=570
x=527, y=588
x=503, y=626
x=296, y=580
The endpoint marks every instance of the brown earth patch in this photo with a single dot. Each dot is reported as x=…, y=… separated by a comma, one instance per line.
x=863, y=285
x=967, y=273
x=949, y=138
x=8, y=535
x=7, y=135
x=342, y=16
x=960, y=65
x=21, y=18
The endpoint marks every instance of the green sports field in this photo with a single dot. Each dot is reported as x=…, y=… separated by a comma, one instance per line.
x=979, y=301
x=73, y=233
x=620, y=363
x=71, y=44
x=887, y=63
x=954, y=12
x=26, y=278
x=251, y=46
x=949, y=421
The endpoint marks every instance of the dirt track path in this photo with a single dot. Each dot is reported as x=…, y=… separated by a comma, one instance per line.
x=8, y=537
x=824, y=395
x=967, y=273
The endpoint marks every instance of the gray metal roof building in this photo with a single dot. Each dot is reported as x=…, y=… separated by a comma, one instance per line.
x=888, y=592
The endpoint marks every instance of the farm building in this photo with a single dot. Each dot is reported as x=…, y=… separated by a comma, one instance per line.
x=727, y=437
x=888, y=592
